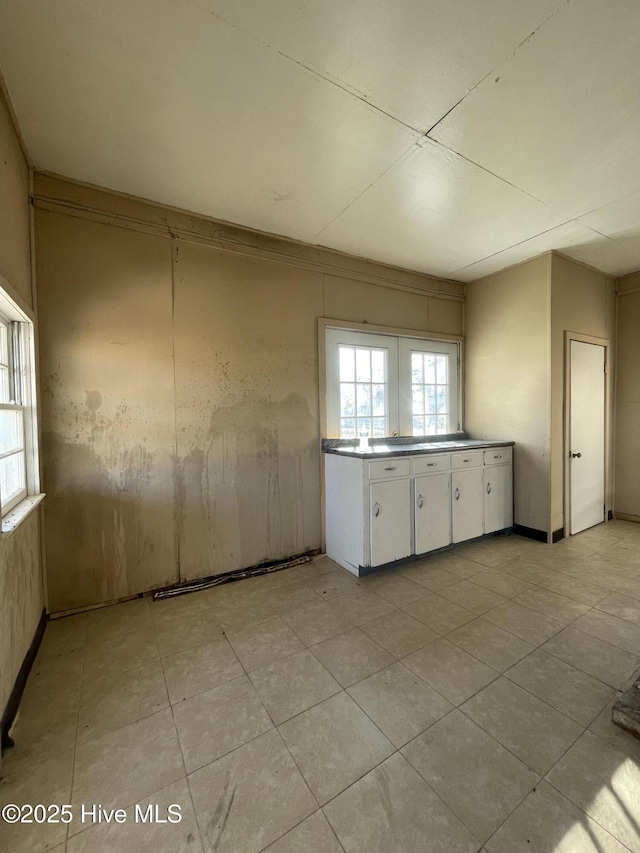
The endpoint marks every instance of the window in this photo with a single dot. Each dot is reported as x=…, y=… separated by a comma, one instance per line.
x=381, y=384
x=18, y=468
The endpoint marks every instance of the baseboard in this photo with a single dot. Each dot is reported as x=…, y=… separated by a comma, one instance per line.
x=530, y=532
x=11, y=709
x=557, y=535
x=610, y=515
x=624, y=516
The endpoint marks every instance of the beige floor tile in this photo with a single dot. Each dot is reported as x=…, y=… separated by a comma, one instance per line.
x=63, y=635
x=503, y=584
x=459, y=565
x=525, y=623
x=250, y=798
x=139, y=834
x=186, y=634
x=455, y=674
x=567, y=689
x=599, y=574
x=534, y=731
x=53, y=677
x=394, y=587
x=116, y=621
x=45, y=782
x=438, y=613
x=360, y=606
x=293, y=684
x=41, y=731
x=112, y=702
x=431, y=576
x=632, y=589
x=585, y=593
x=313, y=835
x=262, y=644
x=547, y=822
x=105, y=657
x=194, y=606
x=487, y=553
x=475, y=598
x=399, y=633
x=351, y=657
x=334, y=744
x=293, y=597
x=480, y=781
x=212, y=724
x=119, y=768
x=622, y=606
x=550, y=604
x=237, y=612
x=317, y=623
x=596, y=657
x=525, y=570
x=196, y=670
x=492, y=645
x=336, y=582
x=619, y=632
x=605, y=784
x=604, y=727
x=393, y=810
x=400, y=703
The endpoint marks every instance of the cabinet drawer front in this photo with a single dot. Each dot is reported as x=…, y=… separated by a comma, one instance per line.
x=383, y=469
x=431, y=464
x=497, y=456
x=471, y=459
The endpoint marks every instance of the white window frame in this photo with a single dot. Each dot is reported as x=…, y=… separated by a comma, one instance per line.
x=20, y=323
x=400, y=344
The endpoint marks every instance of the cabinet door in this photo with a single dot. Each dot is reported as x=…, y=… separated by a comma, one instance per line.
x=432, y=512
x=498, y=502
x=467, y=504
x=390, y=509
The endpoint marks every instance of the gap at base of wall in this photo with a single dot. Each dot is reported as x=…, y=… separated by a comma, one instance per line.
x=610, y=515
x=11, y=709
x=626, y=516
x=557, y=535
x=530, y=532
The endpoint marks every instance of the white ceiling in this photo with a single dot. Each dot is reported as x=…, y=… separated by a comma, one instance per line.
x=453, y=137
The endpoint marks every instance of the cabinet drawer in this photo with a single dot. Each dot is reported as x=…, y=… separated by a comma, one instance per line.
x=497, y=456
x=470, y=459
x=383, y=469
x=431, y=464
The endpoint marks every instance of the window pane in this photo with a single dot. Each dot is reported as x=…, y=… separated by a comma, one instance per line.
x=363, y=365
x=430, y=425
x=442, y=424
x=347, y=428
x=4, y=385
x=417, y=402
x=347, y=400
x=442, y=400
x=418, y=426
x=430, y=369
x=364, y=426
x=379, y=427
x=378, y=366
x=4, y=344
x=377, y=396
x=347, y=369
x=364, y=399
x=12, y=478
x=11, y=431
x=430, y=399
x=442, y=369
x=417, y=369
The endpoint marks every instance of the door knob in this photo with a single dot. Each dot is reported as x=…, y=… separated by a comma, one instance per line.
x=576, y=455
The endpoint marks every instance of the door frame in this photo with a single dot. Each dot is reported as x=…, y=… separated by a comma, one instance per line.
x=606, y=343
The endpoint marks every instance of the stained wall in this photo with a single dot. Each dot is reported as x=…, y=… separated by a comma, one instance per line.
x=181, y=387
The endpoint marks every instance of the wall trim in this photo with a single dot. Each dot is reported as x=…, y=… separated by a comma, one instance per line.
x=57, y=194
x=530, y=533
x=13, y=703
x=624, y=516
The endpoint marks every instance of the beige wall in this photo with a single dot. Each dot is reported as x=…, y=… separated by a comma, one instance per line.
x=583, y=300
x=507, y=377
x=627, y=416
x=21, y=594
x=180, y=379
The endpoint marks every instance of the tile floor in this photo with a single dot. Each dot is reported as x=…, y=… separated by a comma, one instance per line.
x=457, y=704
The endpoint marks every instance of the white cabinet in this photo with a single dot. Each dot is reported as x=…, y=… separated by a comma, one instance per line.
x=379, y=511
x=390, y=526
x=432, y=512
x=467, y=511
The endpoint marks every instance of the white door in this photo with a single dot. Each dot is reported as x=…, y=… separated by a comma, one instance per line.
x=586, y=431
x=468, y=505
x=432, y=508
x=498, y=502
x=390, y=507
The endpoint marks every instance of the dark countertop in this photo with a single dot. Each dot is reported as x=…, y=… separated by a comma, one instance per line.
x=382, y=451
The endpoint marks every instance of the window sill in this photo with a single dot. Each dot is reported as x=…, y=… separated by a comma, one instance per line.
x=12, y=520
